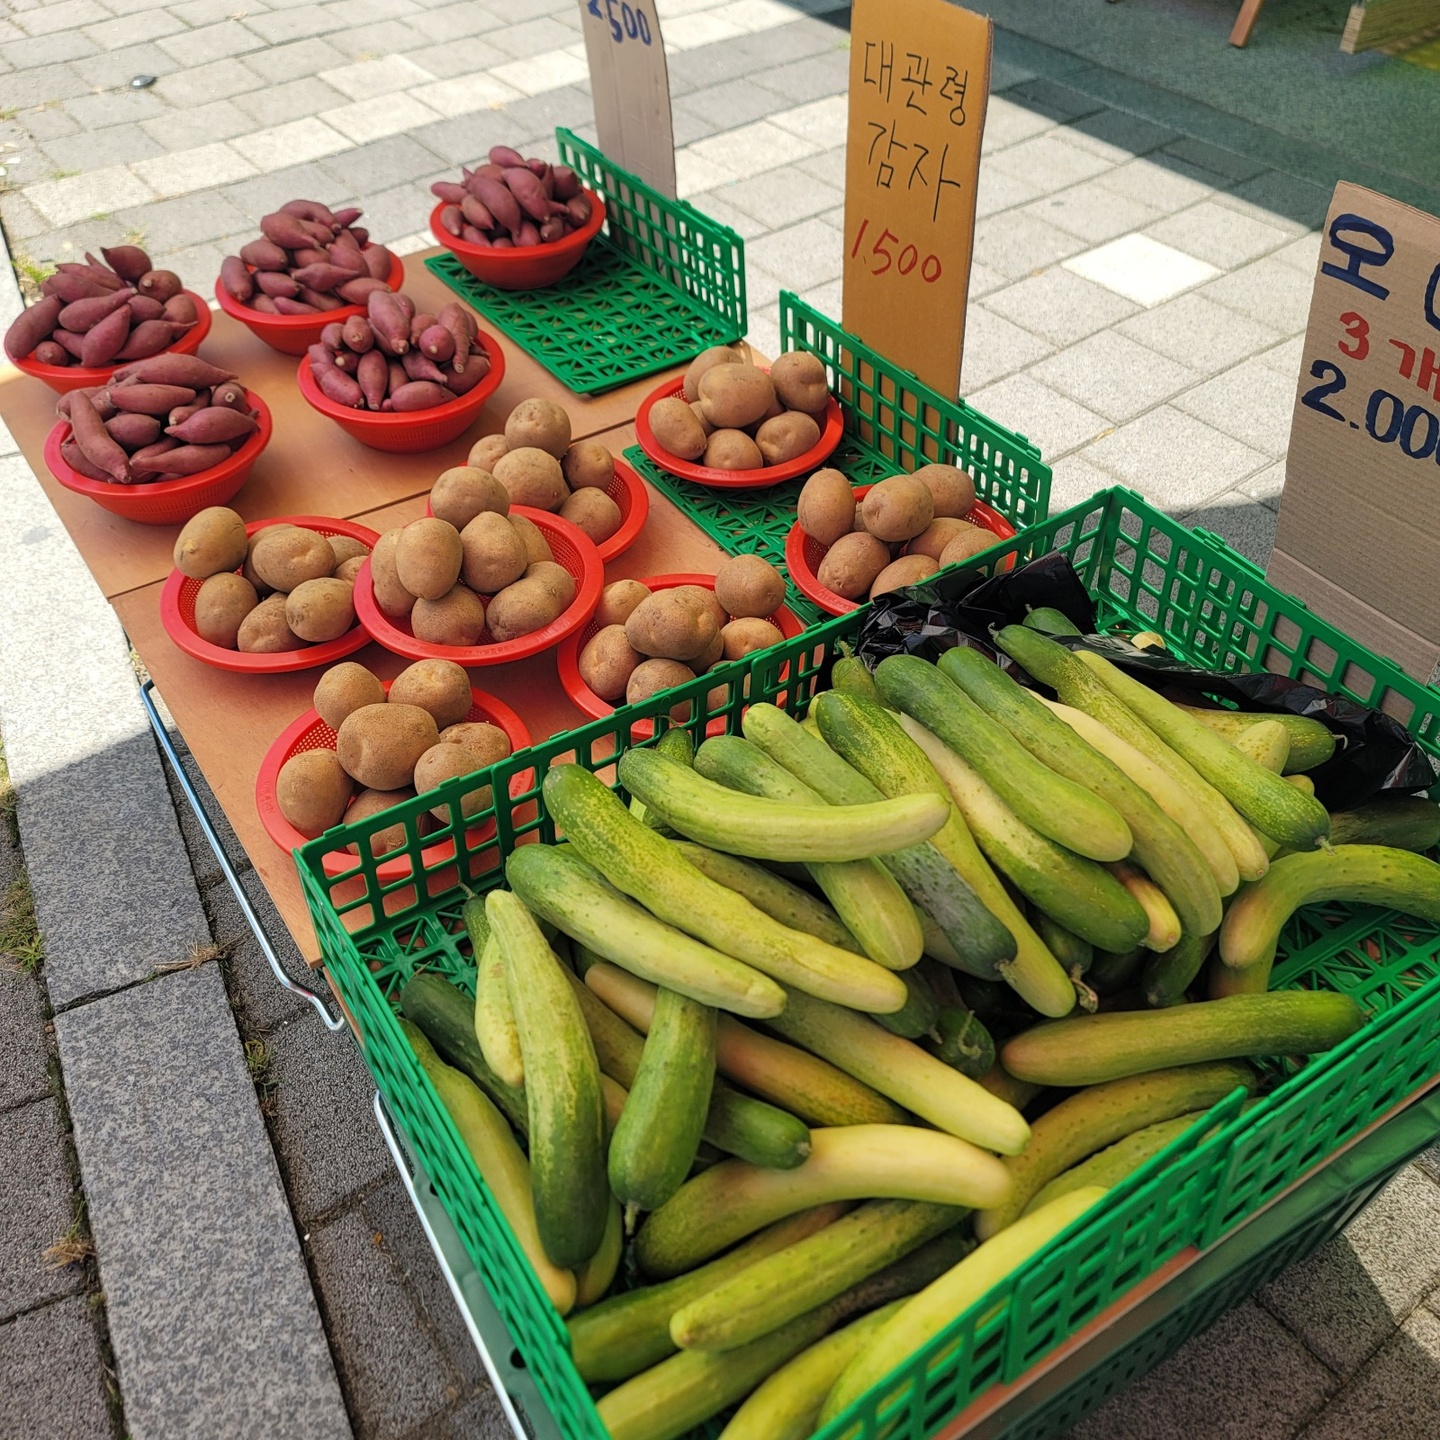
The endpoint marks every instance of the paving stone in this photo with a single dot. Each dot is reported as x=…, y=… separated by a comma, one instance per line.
x=213, y=42
x=199, y=126
x=722, y=107
x=1252, y=402
x=997, y=191
x=261, y=1002
x=1300, y=202
x=782, y=196
x=454, y=58
x=1050, y=97
x=1269, y=291
x=1142, y=269
x=1019, y=244
x=461, y=138
x=1044, y=416
x=1218, y=235
x=479, y=1418
x=1246, y=525
x=717, y=207
x=114, y=107
x=114, y=145
x=1059, y=305
x=369, y=78
x=275, y=104
x=455, y=22
x=43, y=125
x=291, y=144
x=1048, y=163
x=1159, y=182
x=533, y=37
x=380, y=165
x=810, y=79
x=1267, y=486
x=196, y=13
x=826, y=298
x=1008, y=123
x=186, y=220
x=764, y=320
x=1429, y=1162
x=24, y=1074
x=294, y=61
x=197, y=264
x=1197, y=332
x=1226, y=164
x=366, y=42
x=1303, y=253
x=1091, y=212
x=397, y=211
x=265, y=193
x=57, y=15
x=801, y=255
x=1073, y=479
x=300, y=23
x=48, y=49
x=1114, y=134
x=547, y=71
x=191, y=1339
x=984, y=280
x=201, y=84
x=464, y=94
x=54, y=1388
x=135, y=29
x=538, y=115
x=819, y=120
x=35, y=1208
x=829, y=167
x=994, y=348
x=1114, y=376
x=43, y=86
x=367, y=120
x=114, y=67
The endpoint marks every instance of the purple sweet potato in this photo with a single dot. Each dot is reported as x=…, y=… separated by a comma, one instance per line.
x=437, y=343
x=451, y=219
x=476, y=214
x=396, y=377
x=528, y=192
x=379, y=261
x=284, y=306
x=357, y=334
x=332, y=337
x=419, y=395
x=74, y=457
x=129, y=262
x=275, y=283
x=373, y=376
x=216, y=425
x=150, y=337
x=347, y=360
x=104, y=340
x=102, y=275
x=188, y=370
x=502, y=242
x=448, y=191
x=182, y=413
x=336, y=385
x=74, y=287
x=69, y=340
x=527, y=236
x=359, y=234
x=310, y=210
x=235, y=277
x=265, y=255
x=496, y=197
x=84, y=314
x=142, y=307
x=552, y=230
x=504, y=156
x=345, y=252
x=180, y=310
x=461, y=382
x=312, y=256
x=99, y=397
x=33, y=325
x=417, y=367
x=187, y=459
x=320, y=299
x=140, y=460
x=51, y=352
x=475, y=237
x=461, y=325
x=232, y=394
x=288, y=231
x=321, y=277
x=344, y=219
x=579, y=209
x=421, y=321
x=359, y=290
x=321, y=357
x=389, y=321
x=95, y=441
x=567, y=182
x=133, y=431
x=162, y=284
x=146, y=399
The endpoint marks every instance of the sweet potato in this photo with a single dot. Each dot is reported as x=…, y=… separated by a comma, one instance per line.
x=140, y=465
x=321, y=277
x=378, y=261
x=462, y=382
x=359, y=290
x=477, y=214
x=336, y=385
x=215, y=425
x=179, y=309
x=181, y=413
x=143, y=307
x=395, y=377
x=98, y=396
x=162, y=284
x=359, y=234
x=310, y=210
x=419, y=323
x=129, y=262
x=31, y=326
x=390, y=322
x=448, y=191
x=145, y=399
x=578, y=209
x=69, y=340
x=553, y=229
x=528, y=235
x=150, y=337
x=345, y=254
x=85, y=314
x=265, y=255
x=276, y=283
x=133, y=431
x=231, y=394
x=437, y=342
x=373, y=376
x=292, y=307
x=104, y=341
x=51, y=352
x=288, y=231
x=102, y=271
x=188, y=459
x=264, y=304
x=347, y=217
x=95, y=441
x=101, y=274
x=452, y=220
x=529, y=193
x=419, y=395
x=70, y=288
x=461, y=325
x=497, y=198
x=504, y=156
x=357, y=334
x=320, y=299
x=417, y=367
x=567, y=182
x=74, y=457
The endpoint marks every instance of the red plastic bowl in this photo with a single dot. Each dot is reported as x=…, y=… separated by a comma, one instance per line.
x=522, y=269
x=63, y=378
x=310, y=732
x=803, y=554
x=295, y=334
x=165, y=502
x=177, y=612
x=567, y=657
x=416, y=430
x=571, y=548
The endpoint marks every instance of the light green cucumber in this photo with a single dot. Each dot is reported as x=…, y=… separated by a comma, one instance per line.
x=494, y=1018
x=677, y=744
x=919, y=1015
x=853, y=676
x=1311, y=743
x=1403, y=822
x=1266, y=742
x=594, y=1278
x=1167, y=975
x=1049, y=621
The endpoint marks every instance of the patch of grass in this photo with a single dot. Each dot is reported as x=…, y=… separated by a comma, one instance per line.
x=7, y=799
x=10, y=112
x=19, y=934
x=72, y=1248
x=31, y=275
x=101, y=215
x=63, y=174
x=133, y=237
x=257, y=1062
x=199, y=955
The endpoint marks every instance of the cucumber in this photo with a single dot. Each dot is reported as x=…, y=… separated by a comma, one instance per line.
x=557, y=884
x=1403, y=822
x=919, y=1015
x=1049, y=621
x=1112, y=970
x=769, y=830
x=1266, y=743
x=495, y=1019
x=998, y=1081
x=677, y=744
x=1164, y=924
x=961, y=1042
x=1311, y=743
x=1367, y=874
x=1161, y=846
x=853, y=676
x=854, y=1162
x=1062, y=811
x=1264, y=799
x=654, y=1144
x=562, y=1088
x=1095, y=1048
x=1069, y=950
x=1166, y=977
x=1098, y=1116
x=650, y=869
x=595, y=1277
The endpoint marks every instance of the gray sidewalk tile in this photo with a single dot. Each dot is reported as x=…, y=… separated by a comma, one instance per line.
x=43, y=125
x=1224, y=163
x=57, y=15
x=764, y=327
x=1269, y=291
x=1092, y=212
x=709, y=65
x=984, y=280
x=1267, y=486
x=828, y=166
x=43, y=86
x=35, y=1208
x=301, y=23
x=275, y=104
x=457, y=57
x=265, y=193
x=384, y=75
x=994, y=348
x=1252, y=402
x=822, y=121
x=213, y=42
x=801, y=255
x=722, y=107
x=1429, y=1162
x=1049, y=164
x=51, y=1362
x=1008, y=123
x=479, y=1418
x=1049, y=97
x=781, y=197
x=1274, y=193
x=1303, y=252
x=200, y=125
x=1114, y=376
x=294, y=61
x=714, y=204
x=114, y=145
x=1017, y=244
x=1045, y=417
x=401, y=210
x=1221, y=236
x=114, y=67
x=1116, y=135
x=533, y=37
x=1284, y=358
x=383, y=38
x=1073, y=479
x=455, y=22
x=800, y=80
x=538, y=115
x=1153, y=182
x=201, y=84
x=48, y=49
x=137, y=29
x=1060, y=305
x=262, y=1003
x=1246, y=525
x=24, y=1074
x=114, y=107
x=187, y=220
x=382, y=164
x=462, y=139
x=21, y=220
x=997, y=191
x=1199, y=333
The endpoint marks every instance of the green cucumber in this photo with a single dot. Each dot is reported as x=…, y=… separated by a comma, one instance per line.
x=1166, y=976
x=1311, y=743
x=495, y=1019
x=919, y=1015
x=1096, y=1048
x=1403, y=822
x=1112, y=971
x=1049, y=621
x=595, y=1277
x=1063, y=811
x=1266, y=743
x=962, y=1042
x=677, y=744
x=562, y=1088
x=1073, y=953
x=853, y=676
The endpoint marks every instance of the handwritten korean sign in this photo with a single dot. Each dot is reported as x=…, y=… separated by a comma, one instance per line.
x=919, y=83
x=1359, y=531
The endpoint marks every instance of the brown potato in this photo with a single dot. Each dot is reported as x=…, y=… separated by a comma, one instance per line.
x=786, y=436
x=347, y=570
x=951, y=489
x=456, y=618
x=732, y=450
x=541, y=424
x=964, y=545
x=898, y=508
x=286, y=557
x=671, y=627
x=749, y=587
x=346, y=547
x=428, y=557
x=618, y=601
x=391, y=596
x=486, y=451
x=593, y=512
x=712, y=654
x=532, y=477
x=607, y=662
x=261, y=588
x=320, y=610
x=444, y=762
x=588, y=465
x=440, y=686
x=463, y=492
x=707, y=359
x=372, y=802
x=221, y=604
x=312, y=791
x=699, y=414
x=556, y=578
x=487, y=742
x=345, y=688
x=537, y=547
x=742, y=637
x=677, y=430
x=907, y=570
x=527, y=605
x=379, y=744
x=799, y=381
x=733, y=396
x=651, y=676
x=826, y=507
x=936, y=536
x=776, y=409
x=265, y=631
x=704, y=597
x=852, y=563
x=494, y=553
x=211, y=541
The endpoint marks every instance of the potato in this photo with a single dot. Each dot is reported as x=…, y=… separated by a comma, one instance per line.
x=462, y=493
x=444, y=762
x=485, y=452
x=671, y=627
x=312, y=791
x=379, y=744
x=372, y=802
x=556, y=578
x=588, y=465
x=538, y=424
x=618, y=601
x=456, y=618
x=261, y=588
x=221, y=604
x=527, y=605
x=652, y=676
x=712, y=654
x=593, y=512
x=391, y=596
x=347, y=570
x=440, y=686
x=733, y=396
x=537, y=547
x=346, y=547
x=732, y=450
x=320, y=610
x=607, y=662
x=951, y=489
x=799, y=381
x=707, y=360
x=487, y=742
x=898, y=508
x=211, y=541
x=936, y=536
x=699, y=414
x=286, y=557
x=776, y=409
x=345, y=688
x=704, y=597
x=852, y=563
x=428, y=556
x=786, y=436
x=748, y=586
x=532, y=477
x=907, y=570
x=964, y=545
x=265, y=631
x=826, y=507
x=741, y=637
x=677, y=430
x=494, y=553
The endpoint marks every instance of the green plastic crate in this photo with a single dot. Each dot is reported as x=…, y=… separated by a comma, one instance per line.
x=658, y=284
x=893, y=422
x=1143, y=569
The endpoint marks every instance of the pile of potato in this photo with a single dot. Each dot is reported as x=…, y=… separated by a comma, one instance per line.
x=95, y=315
x=512, y=203
x=731, y=415
x=906, y=528
x=648, y=641
x=283, y=589
x=391, y=748
x=309, y=259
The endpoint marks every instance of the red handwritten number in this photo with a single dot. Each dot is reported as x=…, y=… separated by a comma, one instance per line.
x=928, y=274
x=878, y=249
x=1357, y=327
x=859, y=236
x=930, y=267
x=914, y=255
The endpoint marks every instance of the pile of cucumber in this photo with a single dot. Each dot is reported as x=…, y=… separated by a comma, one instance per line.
x=738, y=1039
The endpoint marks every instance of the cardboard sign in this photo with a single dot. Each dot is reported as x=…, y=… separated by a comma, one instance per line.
x=1359, y=532
x=919, y=83
x=631, y=88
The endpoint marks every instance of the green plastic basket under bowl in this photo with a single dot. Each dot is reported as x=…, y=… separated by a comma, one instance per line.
x=1145, y=571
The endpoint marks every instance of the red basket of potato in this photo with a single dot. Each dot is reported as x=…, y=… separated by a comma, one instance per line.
x=300, y=798
x=600, y=668
x=212, y=607
x=731, y=425
x=866, y=565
